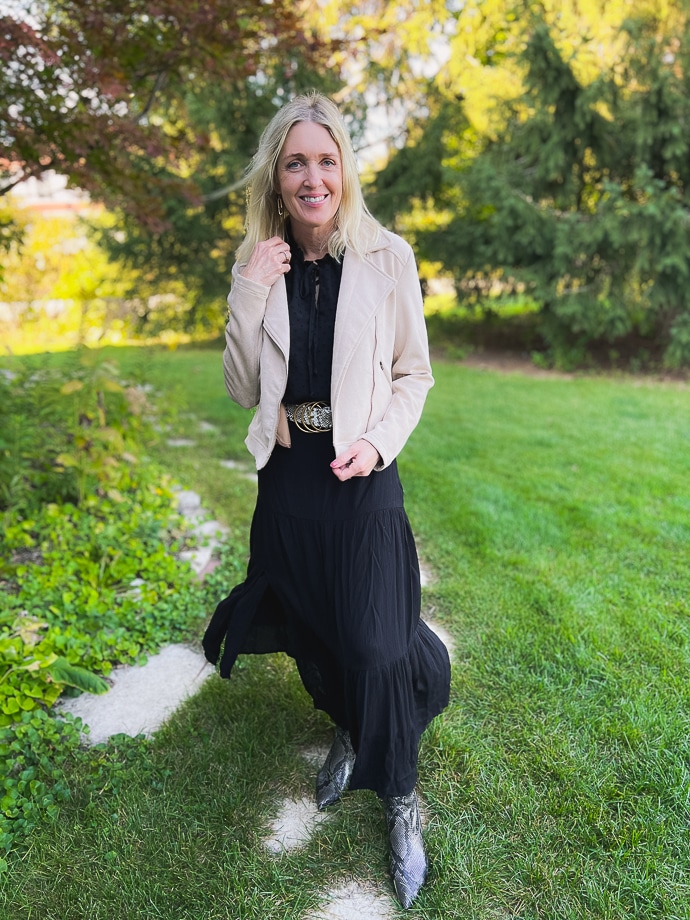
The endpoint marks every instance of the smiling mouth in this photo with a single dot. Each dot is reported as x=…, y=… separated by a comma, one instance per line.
x=313, y=199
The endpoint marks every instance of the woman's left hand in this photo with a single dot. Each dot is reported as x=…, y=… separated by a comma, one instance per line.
x=358, y=460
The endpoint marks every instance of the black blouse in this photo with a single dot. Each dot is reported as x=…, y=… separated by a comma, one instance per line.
x=312, y=292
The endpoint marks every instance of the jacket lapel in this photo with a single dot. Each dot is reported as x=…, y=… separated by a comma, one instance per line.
x=277, y=318
x=363, y=287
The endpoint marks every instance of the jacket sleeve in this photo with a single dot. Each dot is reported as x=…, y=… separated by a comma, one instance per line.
x=411, y=376
x=243, y=335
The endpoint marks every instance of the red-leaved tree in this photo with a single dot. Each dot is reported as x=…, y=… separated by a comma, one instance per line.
x=93, y=90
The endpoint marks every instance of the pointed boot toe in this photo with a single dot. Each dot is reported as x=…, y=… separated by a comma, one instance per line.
x=333, y=777
x=408, y=860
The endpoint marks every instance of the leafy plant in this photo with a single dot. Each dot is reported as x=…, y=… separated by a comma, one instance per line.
x=70, y=605
x=31, y=673
x=68, y=433
x=33, y=751
x=89, y=574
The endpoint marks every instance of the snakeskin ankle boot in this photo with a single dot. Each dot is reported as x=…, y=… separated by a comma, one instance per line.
x=334, y=775
x=408, y=859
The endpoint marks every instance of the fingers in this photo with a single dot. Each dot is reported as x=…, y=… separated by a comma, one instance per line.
x=358, y=460
x=342, y=467
x=269, y=260
x=282, y=252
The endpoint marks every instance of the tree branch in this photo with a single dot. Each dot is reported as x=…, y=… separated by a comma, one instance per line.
x=32, y=174
x=225, y=190
x=157, y=85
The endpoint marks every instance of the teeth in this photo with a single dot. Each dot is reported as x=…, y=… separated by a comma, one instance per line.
x=314, y=199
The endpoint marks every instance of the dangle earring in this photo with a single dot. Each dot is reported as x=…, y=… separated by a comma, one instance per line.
x=281, y=209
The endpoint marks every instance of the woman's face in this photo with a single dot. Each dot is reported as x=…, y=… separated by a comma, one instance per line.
x=310, y=177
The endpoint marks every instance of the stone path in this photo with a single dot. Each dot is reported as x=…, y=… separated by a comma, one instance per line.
x=355, y=901
x=142, y=698
x=294, y=824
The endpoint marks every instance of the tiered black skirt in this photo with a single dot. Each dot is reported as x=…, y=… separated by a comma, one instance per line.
x=333, y=581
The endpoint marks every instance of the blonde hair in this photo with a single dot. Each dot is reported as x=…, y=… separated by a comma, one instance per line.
x=355, y=228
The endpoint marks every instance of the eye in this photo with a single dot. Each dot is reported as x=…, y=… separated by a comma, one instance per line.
x=293, y=164
x=329, y=161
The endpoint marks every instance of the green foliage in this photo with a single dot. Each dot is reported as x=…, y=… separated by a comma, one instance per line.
x=67, y=674
x=579, y=200
x=65, y=437
x=88, y=569
x=416, y=172
x=39, y=756
x=33, y=751
x=69, y=600
x=102, y=587
x=679, y=349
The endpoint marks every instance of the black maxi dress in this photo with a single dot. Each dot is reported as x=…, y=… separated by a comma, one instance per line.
x=333, y=575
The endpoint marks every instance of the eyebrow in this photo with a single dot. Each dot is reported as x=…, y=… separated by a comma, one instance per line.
x=296, y=156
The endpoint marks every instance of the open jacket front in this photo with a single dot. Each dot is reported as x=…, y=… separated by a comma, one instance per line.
x=381, y=370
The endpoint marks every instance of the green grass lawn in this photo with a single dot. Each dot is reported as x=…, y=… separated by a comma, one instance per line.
x=555, y=514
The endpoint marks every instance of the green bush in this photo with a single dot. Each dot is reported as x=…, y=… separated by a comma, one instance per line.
x=67, y=433
x=89, y=575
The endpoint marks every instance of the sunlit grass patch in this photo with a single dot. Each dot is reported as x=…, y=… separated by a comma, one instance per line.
x=554, y=514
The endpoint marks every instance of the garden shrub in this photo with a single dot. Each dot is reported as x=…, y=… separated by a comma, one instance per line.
x=88, y=570
x=67, y=433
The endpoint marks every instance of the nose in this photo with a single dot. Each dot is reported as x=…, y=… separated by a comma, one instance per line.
x=312, y=176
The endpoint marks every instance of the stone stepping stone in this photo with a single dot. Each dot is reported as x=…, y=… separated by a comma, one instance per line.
x=201, y=558
x=211, y=529
x=355, y=901
x=180, y=442
x=188, y=502
x=293, y=825
x=142, y=697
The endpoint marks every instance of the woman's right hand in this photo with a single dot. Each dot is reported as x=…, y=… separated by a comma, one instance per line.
x=269, y=260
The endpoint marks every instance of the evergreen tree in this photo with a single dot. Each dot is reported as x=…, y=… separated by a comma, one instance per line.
x=581, y=198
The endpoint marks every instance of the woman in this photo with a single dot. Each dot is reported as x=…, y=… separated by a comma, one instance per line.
x=326, y=337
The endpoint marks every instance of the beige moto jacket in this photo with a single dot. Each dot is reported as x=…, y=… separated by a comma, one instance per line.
x=381, y=370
